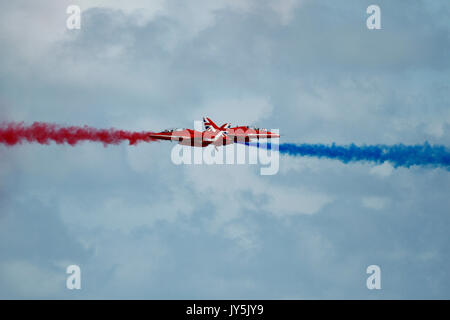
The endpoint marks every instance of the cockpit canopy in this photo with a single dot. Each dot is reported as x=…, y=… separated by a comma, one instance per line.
x=174, y=129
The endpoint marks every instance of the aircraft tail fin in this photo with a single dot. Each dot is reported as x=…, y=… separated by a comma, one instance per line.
x=209, y=124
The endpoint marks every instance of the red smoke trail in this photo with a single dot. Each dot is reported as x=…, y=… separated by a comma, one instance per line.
x=44, y=133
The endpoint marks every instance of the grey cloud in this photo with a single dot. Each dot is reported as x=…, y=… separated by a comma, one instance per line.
x=141, y=227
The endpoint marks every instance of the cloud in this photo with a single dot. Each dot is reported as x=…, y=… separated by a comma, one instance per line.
x=373, y=202
x=382, y=170
x=140, y=226
x=238, y=111
x=25, y=279
x=233, y=192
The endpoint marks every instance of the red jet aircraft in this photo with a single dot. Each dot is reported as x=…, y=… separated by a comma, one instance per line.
x=213, y=134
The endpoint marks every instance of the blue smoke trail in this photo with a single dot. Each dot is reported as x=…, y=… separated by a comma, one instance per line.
x=398, y=155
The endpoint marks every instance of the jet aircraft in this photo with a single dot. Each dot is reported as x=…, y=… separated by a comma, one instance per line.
x=213, y=134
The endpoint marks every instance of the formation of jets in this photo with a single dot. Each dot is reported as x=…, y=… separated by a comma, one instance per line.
x=214, y=135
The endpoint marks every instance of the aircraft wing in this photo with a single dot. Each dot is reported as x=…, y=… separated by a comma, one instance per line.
x=252, y=135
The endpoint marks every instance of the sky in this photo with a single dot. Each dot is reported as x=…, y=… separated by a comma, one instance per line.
x=141, y=227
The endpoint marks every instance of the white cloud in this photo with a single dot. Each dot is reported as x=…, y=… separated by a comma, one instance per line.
x=289, y=201
x=119, y=213
x=436, y=129
x=243, y=235
x=150, y=157
x=234, y=190
x=382, y=170
x=237, y=111
x=43, y=23
x=114, y=199
x=373, y=202
x=285, y=8
x=142, y=9
x=29, y=280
